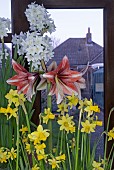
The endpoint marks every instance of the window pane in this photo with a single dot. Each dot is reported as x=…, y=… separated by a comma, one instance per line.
x=79, y=36
x=5, y=9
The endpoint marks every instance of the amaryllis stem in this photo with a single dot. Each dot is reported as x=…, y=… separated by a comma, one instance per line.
x=49, y=105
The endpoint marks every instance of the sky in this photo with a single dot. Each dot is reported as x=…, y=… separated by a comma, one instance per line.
x=70, y=23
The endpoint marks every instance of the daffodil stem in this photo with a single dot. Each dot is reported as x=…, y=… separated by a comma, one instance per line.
x=77, y=144
x=106, y=139
x=49, y=105
x=42, y=165
x=29, y=130
x=68, y=153
x=17, y=161
x=26, y=115
x=61, y=145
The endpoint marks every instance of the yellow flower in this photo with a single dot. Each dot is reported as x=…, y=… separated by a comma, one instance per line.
x=3, y=155
x=24, y=139
x=35, y=167
x=54, y=163
x=41, y=156
x=2, y=110
x=91, y=109
x=63, y=107
x=88, y=102
x=40, y=148
x=73, y=100
x=54, y=150
x=28, y=149
x=82, y=104
x=23, y=129
x=111, y=134
x=88, y=127
x=97, y=166
x=61, y=157
x=98, y=123
x=39, y=135
x=14, y=97
x=9, y=112
x=66, y=123
x=12, y=154
x=73, y=143
x=47, y=115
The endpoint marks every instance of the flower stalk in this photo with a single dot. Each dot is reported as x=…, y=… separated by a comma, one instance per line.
x=17, y=161
x=77, y=144
x=106, y=140
x=49, y=105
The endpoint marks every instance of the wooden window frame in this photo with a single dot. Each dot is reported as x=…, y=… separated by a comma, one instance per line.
x=19, y=23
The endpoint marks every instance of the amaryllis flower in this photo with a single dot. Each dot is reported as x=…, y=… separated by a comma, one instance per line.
x=24, y=80
x=65, y=81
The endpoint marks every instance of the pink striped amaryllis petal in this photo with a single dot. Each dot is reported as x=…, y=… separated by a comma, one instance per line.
x=24, y=80
x=65, y=81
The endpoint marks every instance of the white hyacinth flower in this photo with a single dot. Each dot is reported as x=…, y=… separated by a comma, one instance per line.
x=37, y=48
x=17, y=41
x=4, y=27
x=39, y=19
x=2, y=54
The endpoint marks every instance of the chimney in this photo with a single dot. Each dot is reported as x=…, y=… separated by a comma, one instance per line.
x=88, y=37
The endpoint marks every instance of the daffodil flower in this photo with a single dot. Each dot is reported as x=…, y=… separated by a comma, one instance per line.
x=39, y=135
x=54, y=163
x=35, y=167
x=66, y=123
x=40, y=148
x=111, y=134
x=72, y=100
x=61, y=157
x=41, y=156
x=12, y=154
x=47, y=115
x=14, y=97
x=63, y=107
x=97, y=166
x=24, y=129
x=88, y=127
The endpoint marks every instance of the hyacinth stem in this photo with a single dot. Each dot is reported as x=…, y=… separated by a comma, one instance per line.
x=3, y=59
x=17, y=161
x=77, y=144
x=49, y=105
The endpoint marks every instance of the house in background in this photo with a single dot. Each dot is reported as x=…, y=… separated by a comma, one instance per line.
x=80, y=51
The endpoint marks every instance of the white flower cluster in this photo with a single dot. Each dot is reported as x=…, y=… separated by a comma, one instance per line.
x=34, y=45
x=4, y=27
x=17, y=41
x=37, y=48
x=39, y=19
x=2, y=54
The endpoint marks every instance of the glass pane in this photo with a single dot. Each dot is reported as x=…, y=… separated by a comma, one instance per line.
x=79, y=35
x=5, y=9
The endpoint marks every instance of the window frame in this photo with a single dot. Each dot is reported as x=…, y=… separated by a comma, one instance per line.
x=19, y=23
